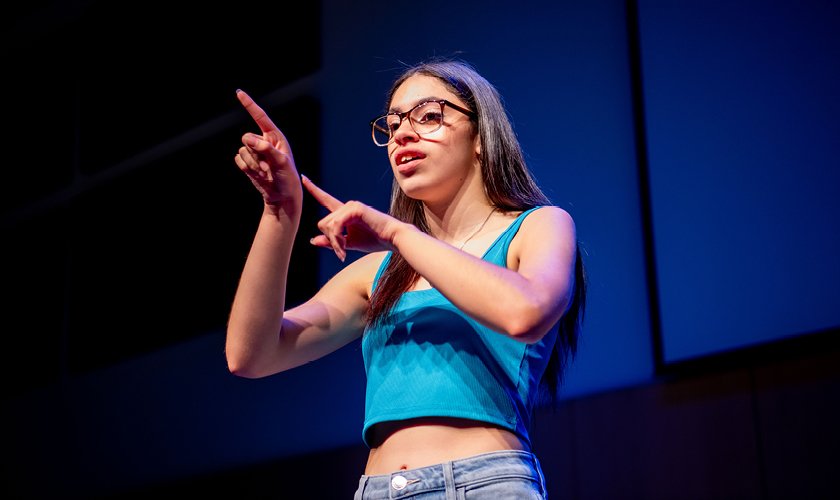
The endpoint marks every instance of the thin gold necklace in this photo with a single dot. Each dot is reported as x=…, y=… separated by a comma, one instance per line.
x=477, y=230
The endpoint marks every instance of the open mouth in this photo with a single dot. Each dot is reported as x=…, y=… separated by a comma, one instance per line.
x=407, y=157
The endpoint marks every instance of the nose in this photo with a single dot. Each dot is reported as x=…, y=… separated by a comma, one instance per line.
x=405, y=132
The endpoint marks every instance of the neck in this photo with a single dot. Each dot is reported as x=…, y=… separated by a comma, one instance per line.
x=454, y=223
x=454, y=215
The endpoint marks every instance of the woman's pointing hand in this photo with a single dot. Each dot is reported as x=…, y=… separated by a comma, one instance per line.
x=353, y=225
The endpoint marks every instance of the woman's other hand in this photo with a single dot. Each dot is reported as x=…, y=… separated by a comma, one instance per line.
x=267, y=160
x=353, y=225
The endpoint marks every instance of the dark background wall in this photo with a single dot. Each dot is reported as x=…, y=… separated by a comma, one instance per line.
x=695, y=143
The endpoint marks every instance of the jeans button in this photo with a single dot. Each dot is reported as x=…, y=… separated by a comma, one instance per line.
x=398, y=482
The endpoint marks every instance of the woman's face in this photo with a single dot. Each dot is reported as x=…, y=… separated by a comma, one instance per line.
x=439, y=164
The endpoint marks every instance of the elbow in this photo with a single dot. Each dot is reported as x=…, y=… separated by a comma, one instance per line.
x=243, y=360
x=525, y=333
x=243, y=371
x=254, y=367
x=237, y=362
x=525, y=326
x=243, y=367
x=531, y=322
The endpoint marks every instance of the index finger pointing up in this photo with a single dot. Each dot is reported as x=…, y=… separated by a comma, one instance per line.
x=256, y=112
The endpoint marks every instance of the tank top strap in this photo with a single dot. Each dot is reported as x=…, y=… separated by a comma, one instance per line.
x=381, y=270
x=497, y=253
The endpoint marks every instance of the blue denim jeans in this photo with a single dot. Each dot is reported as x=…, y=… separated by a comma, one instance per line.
x=494, y=476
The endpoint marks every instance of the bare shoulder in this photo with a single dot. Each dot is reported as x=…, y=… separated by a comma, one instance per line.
x=546, y=231
x=349, y=289
x=371, y=261
x=546, y=221
x=358, y=275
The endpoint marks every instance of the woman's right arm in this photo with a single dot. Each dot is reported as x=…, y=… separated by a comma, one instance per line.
x=262, y=339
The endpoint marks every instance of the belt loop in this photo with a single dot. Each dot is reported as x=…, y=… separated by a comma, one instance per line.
x=540, y=473
x=360, y=493
x=449, y=481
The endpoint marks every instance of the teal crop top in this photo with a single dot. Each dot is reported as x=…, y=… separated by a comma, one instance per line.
x=431, y=360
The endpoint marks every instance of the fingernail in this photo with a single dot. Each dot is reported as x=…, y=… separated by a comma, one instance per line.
x=304, y=177
x=311, y=241
x=238, y=90
x=251, y=141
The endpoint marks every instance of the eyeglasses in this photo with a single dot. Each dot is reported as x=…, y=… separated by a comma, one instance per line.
x=424, y=118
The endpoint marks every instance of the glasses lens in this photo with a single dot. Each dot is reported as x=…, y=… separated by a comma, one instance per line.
x=427, y=117
x=382, y=129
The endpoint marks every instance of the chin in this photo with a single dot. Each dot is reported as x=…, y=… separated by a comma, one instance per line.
x=415, y=190
x=412, y=195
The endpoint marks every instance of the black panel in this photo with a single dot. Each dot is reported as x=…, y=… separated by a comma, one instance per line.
x=33, y=274
x=39, y=106
x=157, y=253
x=325, y=475
x=153, y=69
x=16, y=12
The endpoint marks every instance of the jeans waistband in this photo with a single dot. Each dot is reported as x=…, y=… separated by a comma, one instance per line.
x=454, y=474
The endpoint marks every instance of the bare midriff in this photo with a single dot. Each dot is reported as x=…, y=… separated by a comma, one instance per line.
x=418, y=442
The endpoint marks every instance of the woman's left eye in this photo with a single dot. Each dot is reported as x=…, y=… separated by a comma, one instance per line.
x=430, y=117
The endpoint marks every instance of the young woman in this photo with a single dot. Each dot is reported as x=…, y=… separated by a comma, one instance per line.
x=457, y=299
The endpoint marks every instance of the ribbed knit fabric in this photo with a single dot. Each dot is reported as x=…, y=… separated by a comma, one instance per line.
x=432, y=360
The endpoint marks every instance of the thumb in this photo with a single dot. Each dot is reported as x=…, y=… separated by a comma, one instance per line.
x=266, y=149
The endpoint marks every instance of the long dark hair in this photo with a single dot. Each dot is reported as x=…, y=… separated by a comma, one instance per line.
x=508, y=185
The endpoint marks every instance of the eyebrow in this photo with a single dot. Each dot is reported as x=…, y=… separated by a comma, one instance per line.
x=415, y=103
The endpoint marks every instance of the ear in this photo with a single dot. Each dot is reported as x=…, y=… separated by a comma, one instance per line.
x=477, y=141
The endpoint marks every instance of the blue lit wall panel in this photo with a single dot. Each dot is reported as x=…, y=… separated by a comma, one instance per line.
x=744, y=146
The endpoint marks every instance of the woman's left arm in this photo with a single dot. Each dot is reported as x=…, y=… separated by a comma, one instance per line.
x=523, y=302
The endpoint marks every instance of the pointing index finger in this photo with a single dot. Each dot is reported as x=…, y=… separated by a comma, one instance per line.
x=256, y=112
x=323, y=197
